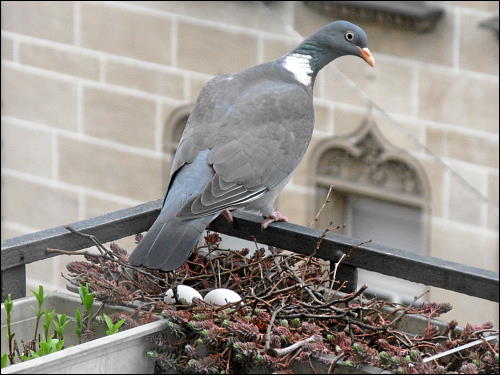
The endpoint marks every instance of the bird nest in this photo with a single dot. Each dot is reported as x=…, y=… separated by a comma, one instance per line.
x=292, y=317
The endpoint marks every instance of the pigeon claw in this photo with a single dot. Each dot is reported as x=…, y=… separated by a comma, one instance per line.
x=276, y=216
x=228, y=216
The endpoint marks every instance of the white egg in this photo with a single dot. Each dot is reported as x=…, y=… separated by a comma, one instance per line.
x=222, y=297
x=183, y=292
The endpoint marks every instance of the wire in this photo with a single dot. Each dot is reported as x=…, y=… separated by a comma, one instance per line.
x=412, y=138
x=289, y=28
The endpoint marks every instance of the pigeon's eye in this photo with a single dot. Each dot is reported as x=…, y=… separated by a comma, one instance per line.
x=349, y=36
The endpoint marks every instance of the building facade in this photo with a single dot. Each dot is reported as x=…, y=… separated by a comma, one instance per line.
x=95, y=97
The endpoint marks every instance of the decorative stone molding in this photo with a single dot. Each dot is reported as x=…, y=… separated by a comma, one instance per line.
x=174, y=126
x=418, y=16
x=491, y=24
x=364, y=162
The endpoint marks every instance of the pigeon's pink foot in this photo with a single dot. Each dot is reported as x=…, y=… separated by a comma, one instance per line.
x=228, y=216
x=276, y=216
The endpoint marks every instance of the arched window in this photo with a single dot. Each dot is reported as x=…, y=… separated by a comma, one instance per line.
x=174, y=127
x=380, y=193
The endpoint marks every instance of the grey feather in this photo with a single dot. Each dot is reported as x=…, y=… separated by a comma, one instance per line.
x=170, y=240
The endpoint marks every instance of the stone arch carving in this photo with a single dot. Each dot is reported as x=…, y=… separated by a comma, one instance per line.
x=172, y=132
x=174, y=126
x=365, y=163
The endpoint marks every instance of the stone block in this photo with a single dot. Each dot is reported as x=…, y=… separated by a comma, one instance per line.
x=322, y=117
x=116, y=172
x=478, y=46
x=305, y=173
x=464, y=205
x=493, y=196
x=295, y=205
x=275, y=48
x=45, y=272
x=307, y=21
x=252, y=15
x=477, y=150
x=122, y=32
x=156, y=82
x=32, y=97
x=58, y=60
x=7, y=49
x=469, y=212
x=214, y=51
x=493, y=187
x=491, y=6
x=456, y=99
x=196, y=85
x=27, y=150
x=388, y=84
x=403, y=135
x=435, y=140
x=434, y=174
x=37, y=206
x=9, y=232
x=41, y=19
x=390, y=40
x=347, y=122
x=118, y=117
x=469, y=247
x=466, y=309
x=96, y=206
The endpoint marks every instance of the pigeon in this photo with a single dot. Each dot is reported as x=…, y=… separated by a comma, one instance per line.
x=245, y=137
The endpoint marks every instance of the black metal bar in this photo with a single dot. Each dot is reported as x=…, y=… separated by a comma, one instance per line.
x=109, y=227
x=394, y=262
x=370, y=256
x=14, y=282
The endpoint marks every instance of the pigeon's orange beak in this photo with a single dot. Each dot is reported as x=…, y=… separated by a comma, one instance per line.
x=367, y=56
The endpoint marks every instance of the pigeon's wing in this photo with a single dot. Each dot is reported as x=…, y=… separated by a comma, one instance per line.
x=260, y=134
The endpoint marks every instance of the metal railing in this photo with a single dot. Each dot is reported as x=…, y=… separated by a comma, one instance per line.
x=19, y=251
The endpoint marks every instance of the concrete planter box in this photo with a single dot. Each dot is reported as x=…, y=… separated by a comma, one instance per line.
x=124, y=352
x=121, y=353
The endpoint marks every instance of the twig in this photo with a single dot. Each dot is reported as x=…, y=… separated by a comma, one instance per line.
x=267, y=345
x=334, y=362
x=327, y=201
x=85, y=252
x=313, y=316
x=335, y=274
x=415, y=299
x=281, y=352
x=459, y=348
x=102, y=249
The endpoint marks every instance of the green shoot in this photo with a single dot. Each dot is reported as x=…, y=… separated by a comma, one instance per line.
x=112, y=327
x=60, y=324
x=10, y=336
x=46, y=347
x=5, y=360
x=79, y=325
x=48, y=317
x=87, y=299
x=40, y=298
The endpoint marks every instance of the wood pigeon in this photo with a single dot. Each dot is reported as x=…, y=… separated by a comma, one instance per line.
x=246, y=135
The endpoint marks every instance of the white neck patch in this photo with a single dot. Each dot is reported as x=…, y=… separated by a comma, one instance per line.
x=299, y=65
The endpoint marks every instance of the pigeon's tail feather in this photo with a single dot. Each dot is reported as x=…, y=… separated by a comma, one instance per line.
x=167, y=246
x=170, y=240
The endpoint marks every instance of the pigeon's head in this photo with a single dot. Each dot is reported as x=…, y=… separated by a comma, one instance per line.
x=340, y=38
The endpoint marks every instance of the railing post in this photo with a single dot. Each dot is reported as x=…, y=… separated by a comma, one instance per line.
x=14, y=282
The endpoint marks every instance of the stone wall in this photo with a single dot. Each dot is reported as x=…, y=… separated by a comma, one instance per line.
x=87, y=90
